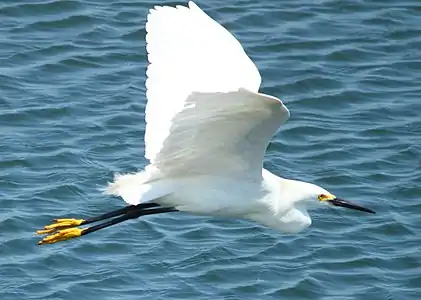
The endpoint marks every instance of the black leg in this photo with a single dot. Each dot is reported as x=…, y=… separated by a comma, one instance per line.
x=72, y=232
x=133, y=214
x=69, y=223
x=119, y=212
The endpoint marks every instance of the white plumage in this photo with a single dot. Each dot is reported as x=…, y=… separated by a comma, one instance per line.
x=188, y=53
x=207, y=128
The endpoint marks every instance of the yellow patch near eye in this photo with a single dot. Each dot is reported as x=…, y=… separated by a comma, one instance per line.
x=323, y=197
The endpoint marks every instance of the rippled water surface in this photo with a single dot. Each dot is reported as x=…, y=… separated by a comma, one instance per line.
x=72, y=97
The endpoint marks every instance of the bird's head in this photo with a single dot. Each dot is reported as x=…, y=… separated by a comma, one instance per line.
x=313, y=195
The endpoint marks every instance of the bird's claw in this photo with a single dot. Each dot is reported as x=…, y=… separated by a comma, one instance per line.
x=61, y=235
x=60, y=224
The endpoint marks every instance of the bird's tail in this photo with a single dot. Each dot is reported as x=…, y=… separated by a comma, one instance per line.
x=138, y=187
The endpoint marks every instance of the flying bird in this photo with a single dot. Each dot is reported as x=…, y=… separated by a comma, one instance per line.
x=207, y=130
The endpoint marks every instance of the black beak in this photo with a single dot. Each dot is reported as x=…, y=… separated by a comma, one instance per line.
x=343, y=203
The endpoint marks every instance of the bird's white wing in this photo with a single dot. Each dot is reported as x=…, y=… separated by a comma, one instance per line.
x=188, y=51
x=202, y=94
x=221, y=133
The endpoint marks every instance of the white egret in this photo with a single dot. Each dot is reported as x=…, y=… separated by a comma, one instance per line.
x=207, y=129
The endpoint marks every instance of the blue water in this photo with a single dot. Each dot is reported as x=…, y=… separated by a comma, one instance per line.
x=72, y=98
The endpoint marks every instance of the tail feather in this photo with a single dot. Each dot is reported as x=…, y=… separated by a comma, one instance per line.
x=138, y=188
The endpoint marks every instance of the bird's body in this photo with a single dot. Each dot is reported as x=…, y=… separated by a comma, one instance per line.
x=257, y=199
x=207, y=130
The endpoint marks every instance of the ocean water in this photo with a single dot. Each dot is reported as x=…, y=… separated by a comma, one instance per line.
x=72, y=101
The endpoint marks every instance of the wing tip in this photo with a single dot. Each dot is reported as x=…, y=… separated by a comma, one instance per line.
x=190, y=5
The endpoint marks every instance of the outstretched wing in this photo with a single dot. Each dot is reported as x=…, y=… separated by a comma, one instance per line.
x=203, y=108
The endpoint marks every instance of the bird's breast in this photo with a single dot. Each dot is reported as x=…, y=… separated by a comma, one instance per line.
x=210, y=195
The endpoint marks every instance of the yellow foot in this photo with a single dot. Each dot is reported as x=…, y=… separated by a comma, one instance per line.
x=62, y=235
x=60, y=224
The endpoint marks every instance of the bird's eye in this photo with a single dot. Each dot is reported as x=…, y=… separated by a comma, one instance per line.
x=322, y=197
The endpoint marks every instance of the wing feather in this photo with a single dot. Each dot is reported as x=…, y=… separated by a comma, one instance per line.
x=221, y=134
x=203, y=110
x=188, y=52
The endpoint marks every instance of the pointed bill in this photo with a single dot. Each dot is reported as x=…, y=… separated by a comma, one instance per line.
x=347, y=204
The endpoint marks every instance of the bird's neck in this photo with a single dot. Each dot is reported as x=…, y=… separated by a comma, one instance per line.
x=289, y=192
